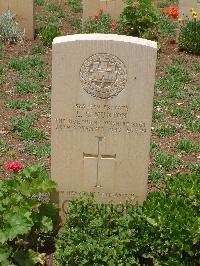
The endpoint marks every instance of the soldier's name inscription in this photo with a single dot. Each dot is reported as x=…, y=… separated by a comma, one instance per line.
x=101, y=119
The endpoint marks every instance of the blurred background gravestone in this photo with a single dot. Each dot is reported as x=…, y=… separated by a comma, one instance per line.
x=24, y=11
x=112, y=7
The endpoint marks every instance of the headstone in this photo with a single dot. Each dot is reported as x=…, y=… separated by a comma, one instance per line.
x=102, y=98
x=24, y=11
x=112, y=7
x=186, y=5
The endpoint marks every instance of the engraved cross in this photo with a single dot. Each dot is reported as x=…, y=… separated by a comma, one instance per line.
x=99, y=156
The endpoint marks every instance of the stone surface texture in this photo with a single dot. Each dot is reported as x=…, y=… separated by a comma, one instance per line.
x=24, y=11
x=112, y=7
x=186, y=5
x=102, y=98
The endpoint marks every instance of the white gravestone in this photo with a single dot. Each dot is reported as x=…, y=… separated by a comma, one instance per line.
x=102, y=98
x=112, y=7
x=24, y=11
x=186, y=5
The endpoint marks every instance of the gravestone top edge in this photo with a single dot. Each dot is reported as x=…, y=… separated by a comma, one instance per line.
x=104, y=37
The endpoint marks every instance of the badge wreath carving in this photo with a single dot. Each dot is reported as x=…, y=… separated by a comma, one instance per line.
x=103, y=75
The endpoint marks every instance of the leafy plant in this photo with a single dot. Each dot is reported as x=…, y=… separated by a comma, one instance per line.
x=100, y=23
x=76, y=5
x=48, y=33
x=40, y=2
x=167, y=162
x=190, y=36
x=165, y=131
x=40, y=151
x=27, y=86
x=156, y=176
x=20, y=104
x=26, y=219
x=164, y=231
x=187, y=146
x=9, y=30
x=139, y=19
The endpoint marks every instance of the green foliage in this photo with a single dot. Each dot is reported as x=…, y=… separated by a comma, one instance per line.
x=9, y=30
x=167, y=162
x=40, y=2
x=31, y=67
x=52, y=7
x=166, y=27
x=27, y=86
x=20, y=104
x=48, y=33
x=38, y=49
x=1, y=52
x=190, y=36
x=101, y=23
x=180, y=112
x=24, y=130
x=156, y=176
x=139, y=19
x=164, y=231
x=192, y=125
x=4, y=147
x=76, y=5
x=25, y=225
x=165, y=131
x=40, y=151
x=187, y=146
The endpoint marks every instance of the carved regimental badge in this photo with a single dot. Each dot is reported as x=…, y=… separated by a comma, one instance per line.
x=103, y=76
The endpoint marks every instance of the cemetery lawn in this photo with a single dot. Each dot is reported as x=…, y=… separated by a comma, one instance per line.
x=25, y=92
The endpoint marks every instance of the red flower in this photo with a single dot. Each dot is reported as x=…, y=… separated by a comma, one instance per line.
x=96, y=18
x=13, y=166
x=113, y=26
x=172, y=11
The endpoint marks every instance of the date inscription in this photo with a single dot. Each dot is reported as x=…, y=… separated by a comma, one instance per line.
x=100, y=119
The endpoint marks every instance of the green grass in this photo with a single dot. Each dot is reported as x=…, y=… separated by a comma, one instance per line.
x=187, y=146
x=27, y=86
x=179, y=60
x=156, y=176
x=38, y=49
x=195, y=104
x=40, y=2
x=40, y=151
x=31, y=134
x=165, y=131
x=26, y=63
x=166, y=26
x=180, y=112
x=157, y=116
x=154, y=147
x=192, y=125
x=4, y=147
x=167, y=162
x=21, y=124
x=76, y=5
x=20, y=104
x=52, y=7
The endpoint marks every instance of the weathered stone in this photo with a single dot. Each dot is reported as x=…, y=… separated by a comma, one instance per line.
x=185, y=7
x=112, y=7
x=102, y=98
x=24, y=11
